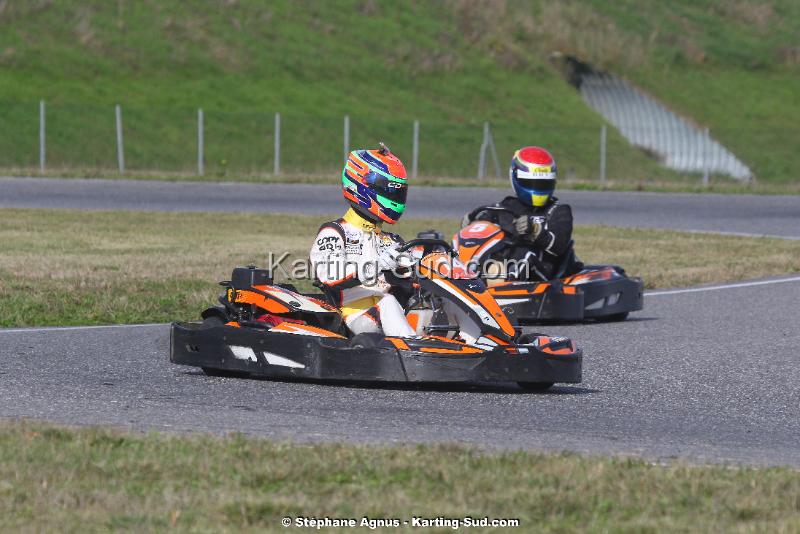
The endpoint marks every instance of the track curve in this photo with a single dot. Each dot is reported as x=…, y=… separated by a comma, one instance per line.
x=683, y=379
x=679, y=380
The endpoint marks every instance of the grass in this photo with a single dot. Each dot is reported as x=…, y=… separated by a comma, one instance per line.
x=63, y=267
x=731, y=66
x=54, y=478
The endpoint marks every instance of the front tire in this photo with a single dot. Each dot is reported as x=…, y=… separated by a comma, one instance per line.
x=615, y=318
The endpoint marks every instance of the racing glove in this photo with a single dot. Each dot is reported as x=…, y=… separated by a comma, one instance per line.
x=529, y=226
x=387, y=259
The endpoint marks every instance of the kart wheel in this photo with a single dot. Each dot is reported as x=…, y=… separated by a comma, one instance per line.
x=615, y=318
x=535, y=386
x=213, y=320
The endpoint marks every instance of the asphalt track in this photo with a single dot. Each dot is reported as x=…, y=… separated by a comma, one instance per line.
x=706, y=375
x=683, y=379
x=744, y=214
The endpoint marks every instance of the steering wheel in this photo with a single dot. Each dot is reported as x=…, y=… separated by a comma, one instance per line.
x=427, y=243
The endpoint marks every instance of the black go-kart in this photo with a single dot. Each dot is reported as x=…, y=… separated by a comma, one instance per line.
x=263, y=329
x=593, y=292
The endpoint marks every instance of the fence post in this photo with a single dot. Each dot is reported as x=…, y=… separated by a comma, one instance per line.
x=200, y=133
x=704, y=153
x=603, y=153
x=277, y=168
x=120, y=148
x=490, y=141
x=41, y=136
x=415, y=150
x=482, y=155
x=346, y=137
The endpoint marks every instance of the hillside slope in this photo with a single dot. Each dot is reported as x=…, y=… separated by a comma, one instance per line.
x=450, y=64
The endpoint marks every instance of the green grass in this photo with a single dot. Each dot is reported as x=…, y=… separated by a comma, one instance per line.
x=59, y=479
x=452, y=65
x=61, y=267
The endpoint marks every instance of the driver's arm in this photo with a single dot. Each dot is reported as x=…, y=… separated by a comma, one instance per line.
x=556, y=233
x=329, y=260
x=479, y=214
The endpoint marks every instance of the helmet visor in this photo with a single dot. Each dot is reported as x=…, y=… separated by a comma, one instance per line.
x=537, y=184
x=392, y=190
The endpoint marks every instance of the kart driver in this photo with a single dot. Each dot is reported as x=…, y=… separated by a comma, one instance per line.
x=540, y=225
x=351, y=255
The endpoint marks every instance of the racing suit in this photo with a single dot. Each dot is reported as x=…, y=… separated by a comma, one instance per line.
x=542, y=238
x=348, y=257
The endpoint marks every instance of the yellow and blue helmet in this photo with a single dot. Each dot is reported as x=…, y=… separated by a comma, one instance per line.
x=533, y=175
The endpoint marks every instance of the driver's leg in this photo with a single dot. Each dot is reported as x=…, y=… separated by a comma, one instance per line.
x=393, y=318
x=363, y=322
x=385, y=316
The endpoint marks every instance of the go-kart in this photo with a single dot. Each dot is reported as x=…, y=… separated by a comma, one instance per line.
x=271, y=330
x=595, y=292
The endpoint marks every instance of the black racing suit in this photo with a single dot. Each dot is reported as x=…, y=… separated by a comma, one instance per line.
x=541, y=256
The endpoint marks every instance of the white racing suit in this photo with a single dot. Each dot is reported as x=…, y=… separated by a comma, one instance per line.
x=345, y=258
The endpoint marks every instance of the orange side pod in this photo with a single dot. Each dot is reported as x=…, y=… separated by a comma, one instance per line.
x=265, y=303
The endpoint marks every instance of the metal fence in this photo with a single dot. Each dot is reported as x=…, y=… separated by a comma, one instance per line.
x=683, y=146
x=189, y=140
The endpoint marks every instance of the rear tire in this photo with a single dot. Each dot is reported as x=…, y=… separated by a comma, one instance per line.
x=213, y=320
x=535, y=386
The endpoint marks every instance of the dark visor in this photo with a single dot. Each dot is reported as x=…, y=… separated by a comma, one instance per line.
x=537, y=184
x=394, y=191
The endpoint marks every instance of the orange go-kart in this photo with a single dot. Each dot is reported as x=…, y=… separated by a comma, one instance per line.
x=271, y=330
x=594, y=292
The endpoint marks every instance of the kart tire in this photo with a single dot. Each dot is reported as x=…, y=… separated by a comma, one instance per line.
x=213, y=320
x=535, y=386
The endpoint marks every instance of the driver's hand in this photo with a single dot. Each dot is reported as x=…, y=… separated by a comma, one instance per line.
x=465, y=221
x=537, y=225
x=387, y=259
x=522, y=225
x=405, y=260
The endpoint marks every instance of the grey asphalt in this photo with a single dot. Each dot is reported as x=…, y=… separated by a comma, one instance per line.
x=748, y=214
x=707, y=376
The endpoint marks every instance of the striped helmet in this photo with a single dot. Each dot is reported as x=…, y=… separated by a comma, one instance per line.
x=533, y=175
x=374, y=182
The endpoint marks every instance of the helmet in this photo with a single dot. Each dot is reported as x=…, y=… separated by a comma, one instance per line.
x=374, y=182
x=533, y=175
